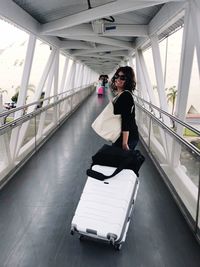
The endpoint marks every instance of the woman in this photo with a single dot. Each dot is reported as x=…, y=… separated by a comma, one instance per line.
x=124, y=84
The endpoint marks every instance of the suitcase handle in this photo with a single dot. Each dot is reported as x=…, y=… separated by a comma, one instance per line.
x=101, y=176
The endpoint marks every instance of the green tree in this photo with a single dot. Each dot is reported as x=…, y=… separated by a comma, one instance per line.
x=14, y=98
x=171, y=96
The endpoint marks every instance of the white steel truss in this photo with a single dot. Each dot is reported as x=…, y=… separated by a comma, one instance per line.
x=93, y=54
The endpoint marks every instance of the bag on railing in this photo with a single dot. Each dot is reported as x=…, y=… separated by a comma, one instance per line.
x=116, y=157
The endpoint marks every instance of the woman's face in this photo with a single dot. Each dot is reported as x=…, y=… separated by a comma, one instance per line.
x=120, y=80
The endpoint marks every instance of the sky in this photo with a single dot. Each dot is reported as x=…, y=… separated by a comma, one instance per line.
x=6, y=38
x=13, y=44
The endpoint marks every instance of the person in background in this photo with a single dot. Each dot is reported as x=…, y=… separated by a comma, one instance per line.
x=41, y=98
x=106, y=81
x=124, y=83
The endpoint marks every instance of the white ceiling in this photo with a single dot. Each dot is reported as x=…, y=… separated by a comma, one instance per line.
x=71, y=21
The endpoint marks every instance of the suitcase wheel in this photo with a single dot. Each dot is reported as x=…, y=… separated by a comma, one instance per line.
x=81, y=237
x=112, y=241
x=112, y=238
x=118, y=247
x=72, y=231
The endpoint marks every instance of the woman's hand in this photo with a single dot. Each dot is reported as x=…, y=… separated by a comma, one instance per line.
x=125, y=135
x=125, y=147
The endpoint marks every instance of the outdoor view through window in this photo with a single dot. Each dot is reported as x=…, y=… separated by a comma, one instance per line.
x=13, y=47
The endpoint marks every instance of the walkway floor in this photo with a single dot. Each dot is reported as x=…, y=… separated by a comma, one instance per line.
x=37, y=206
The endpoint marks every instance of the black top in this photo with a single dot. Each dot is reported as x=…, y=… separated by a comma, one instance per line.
x=124, y=105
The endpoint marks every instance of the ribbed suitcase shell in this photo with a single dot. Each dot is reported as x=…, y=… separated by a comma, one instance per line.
x=104, y=209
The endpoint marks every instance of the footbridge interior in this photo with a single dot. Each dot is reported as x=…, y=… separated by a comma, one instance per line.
x=46, y=140
x=38, y=204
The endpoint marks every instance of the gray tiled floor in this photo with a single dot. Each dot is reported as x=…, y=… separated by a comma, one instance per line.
x=37, y=205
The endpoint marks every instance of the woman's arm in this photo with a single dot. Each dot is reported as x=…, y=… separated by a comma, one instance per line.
x=125, y=135
x=123, y=106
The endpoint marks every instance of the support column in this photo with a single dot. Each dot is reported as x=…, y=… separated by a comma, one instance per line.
x=82, y=77
x=55, y=87
x=72, y=77
x=147, y=85
x=159, y=75
x=145, y=77
x=64, y=75
x=76, y=77
x=79, y=75
x=23, y=91
x=46, y=102
x=131, y=62
x=37, y=95
x=195, y=14
x=187, y=53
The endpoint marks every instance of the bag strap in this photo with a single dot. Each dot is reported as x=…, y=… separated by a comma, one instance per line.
x=101, y=176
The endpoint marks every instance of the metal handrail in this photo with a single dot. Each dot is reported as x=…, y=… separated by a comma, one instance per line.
x=177, y=136
x=26, y=117
x=72, y=91
x=169, y=115
x=195, y=151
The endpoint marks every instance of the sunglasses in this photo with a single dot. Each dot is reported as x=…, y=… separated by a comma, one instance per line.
x=121, y=77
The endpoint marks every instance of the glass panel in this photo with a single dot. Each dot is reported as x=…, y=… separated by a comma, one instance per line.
x=68, y=105
x=174, y=44
x=193, y=104
x=61, y=68
x=148, y=57
x=49, y=115
x=158, y=140
x=8, y=118
x=41, y=56
x=64, y=108
x=143, y=122
x=26, y=139
x=5, y=159
x=183, y=173
x=13, y=48
x=192, y=137
x=173, y=56
x=30, y=132
x=191, y=164
x=40, y=118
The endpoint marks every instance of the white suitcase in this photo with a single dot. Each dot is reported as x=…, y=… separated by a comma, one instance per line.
x=105, y=207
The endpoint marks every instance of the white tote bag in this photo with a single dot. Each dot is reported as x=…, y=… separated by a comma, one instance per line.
x=107, y=125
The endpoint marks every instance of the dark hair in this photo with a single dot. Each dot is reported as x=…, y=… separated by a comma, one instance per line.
x=130, y=82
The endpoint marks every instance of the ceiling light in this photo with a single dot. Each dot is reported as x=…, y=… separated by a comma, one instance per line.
x=98, y=26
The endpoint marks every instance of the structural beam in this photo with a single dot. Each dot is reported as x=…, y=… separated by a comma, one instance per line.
x=111, y=9
x=117, y=30
x=104, y=58
x=103, y=40
x=187, y=53
x=74, y=45
x=11, y=11
x=98, y=49
x=168, y=15
x=195, y=13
